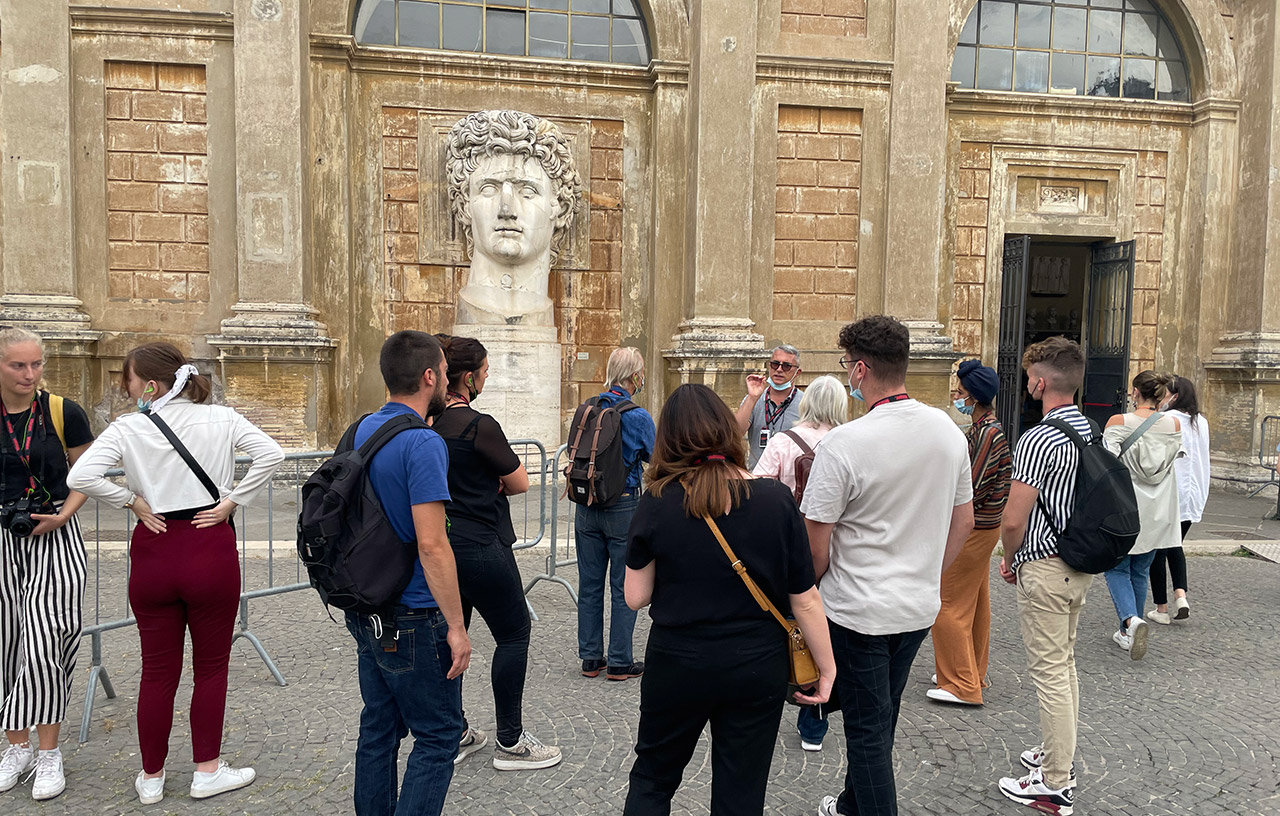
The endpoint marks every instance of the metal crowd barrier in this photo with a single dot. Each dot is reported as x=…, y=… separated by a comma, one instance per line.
x=563, y=551
x=293, y=473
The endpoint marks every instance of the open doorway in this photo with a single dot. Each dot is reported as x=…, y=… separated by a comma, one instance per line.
x=1081, y=289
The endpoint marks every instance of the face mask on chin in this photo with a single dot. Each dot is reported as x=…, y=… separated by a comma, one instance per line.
x=786, y=386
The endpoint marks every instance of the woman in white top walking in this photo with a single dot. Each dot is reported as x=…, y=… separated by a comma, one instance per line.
x=1193, y=491
x=823, y=406
x=183, y=567
x=1148, y=442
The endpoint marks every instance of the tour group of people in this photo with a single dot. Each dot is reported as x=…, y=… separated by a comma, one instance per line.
x=870, y=535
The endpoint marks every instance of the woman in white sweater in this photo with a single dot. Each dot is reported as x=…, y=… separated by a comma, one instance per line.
x=1148, y=442
x=183, y=571
x=1193, y=491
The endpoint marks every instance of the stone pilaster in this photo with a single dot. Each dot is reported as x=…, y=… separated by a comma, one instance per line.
x=1243, y=372
x=716, y=343
x=917, y=187
x=39, y=286
x=273, y=320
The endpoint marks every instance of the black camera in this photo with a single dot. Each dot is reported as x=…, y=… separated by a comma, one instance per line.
x=15, y=516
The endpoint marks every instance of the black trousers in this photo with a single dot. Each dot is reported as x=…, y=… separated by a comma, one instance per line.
x=871, y=674
x=733, y=676
x=1177, y=560
x=489, y=582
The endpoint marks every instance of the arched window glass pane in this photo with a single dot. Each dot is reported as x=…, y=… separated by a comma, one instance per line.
x=1104, y=48
x=592, y=30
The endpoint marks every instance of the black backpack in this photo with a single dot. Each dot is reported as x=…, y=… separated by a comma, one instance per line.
x=1104, y=523
x=596, y=473
x=354, y=557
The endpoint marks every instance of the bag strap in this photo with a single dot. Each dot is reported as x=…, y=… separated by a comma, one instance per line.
x=59, y=418
x=1076, y=439
x=393, y=426
x=186, y=456
x=348, y=440
x=1139, y=431
x=736, y=563
x=795, y=437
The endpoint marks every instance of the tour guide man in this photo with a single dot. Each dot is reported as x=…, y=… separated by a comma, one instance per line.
x=761, y=419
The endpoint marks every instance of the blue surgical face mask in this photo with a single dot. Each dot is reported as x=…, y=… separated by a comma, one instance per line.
x=967, y=410
x=784, y=387
x=856, y=393
x=144, y=402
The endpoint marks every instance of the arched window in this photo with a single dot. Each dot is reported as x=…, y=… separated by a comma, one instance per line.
x=593, y=30
x=1108, y=48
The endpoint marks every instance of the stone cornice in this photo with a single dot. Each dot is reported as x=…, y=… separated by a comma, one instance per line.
x=822, y=70
x=1217, y=110
x=1049, y=106
x=459, y=65
x=200, y=25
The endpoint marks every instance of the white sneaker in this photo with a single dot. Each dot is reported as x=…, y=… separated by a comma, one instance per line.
x=50, y=780
x=1122, y=640
x=828, y=807
x=1138, y=638
x=472, y=741
x=226, y=778
x=528, y=754
x=944, y=696
x=1032, y=791
x=150, y=790
x=1181, y=609
x=1033, y=759
x=1156, y=616
x=17, y=760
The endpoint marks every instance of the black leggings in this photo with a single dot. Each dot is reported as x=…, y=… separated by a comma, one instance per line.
x=733, y=675
x=1177, y=568
x=489, y=582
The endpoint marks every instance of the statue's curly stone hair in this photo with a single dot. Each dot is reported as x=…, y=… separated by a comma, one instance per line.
x=494, y=132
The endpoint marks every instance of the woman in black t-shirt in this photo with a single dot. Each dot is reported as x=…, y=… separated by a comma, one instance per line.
x=713, y=654
x=42, y=563
x=483, y=471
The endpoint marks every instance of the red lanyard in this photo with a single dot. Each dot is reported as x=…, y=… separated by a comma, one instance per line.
x=894, y=398
x=771, y=413
x=24, y=449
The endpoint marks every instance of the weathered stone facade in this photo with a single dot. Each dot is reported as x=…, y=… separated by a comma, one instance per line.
x=278, y=207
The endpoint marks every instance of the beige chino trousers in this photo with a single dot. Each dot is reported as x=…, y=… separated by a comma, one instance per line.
x=1050, y=597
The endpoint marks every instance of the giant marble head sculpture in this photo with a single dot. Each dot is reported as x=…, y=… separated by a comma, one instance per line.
x=514, y=191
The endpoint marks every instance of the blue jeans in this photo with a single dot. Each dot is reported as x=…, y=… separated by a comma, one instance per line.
x=812, y=728
x=871, y=674
x=602, y=547
x=1127, y=582
x=405, y=691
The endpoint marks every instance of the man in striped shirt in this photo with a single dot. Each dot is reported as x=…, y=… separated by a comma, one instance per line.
x=1050, y=594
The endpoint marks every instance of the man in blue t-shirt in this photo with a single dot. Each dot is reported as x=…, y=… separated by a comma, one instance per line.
x=411, y=676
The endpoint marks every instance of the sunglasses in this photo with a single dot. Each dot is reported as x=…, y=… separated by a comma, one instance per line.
x=778, y=365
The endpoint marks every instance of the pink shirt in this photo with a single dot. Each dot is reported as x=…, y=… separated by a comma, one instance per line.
x=779, y=458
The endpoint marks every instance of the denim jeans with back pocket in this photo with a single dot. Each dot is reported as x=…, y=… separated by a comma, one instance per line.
x=405, y=690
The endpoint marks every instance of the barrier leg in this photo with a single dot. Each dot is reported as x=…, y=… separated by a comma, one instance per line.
x=257, y=644
x=533, y=615
x=97, y=674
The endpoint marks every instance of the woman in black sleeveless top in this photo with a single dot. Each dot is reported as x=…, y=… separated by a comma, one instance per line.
x=483, y=472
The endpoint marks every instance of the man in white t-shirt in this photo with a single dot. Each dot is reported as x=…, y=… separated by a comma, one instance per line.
x=888, y=506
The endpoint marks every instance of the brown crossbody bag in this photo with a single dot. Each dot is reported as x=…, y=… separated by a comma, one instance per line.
x=804, y=670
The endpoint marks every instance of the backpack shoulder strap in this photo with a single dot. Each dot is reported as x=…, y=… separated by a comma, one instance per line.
x=348, y=440
x=795, y=437
x=1068, y=431
x=1139, y=431
x=389, y=429
x=622, y=406
x=59, y=418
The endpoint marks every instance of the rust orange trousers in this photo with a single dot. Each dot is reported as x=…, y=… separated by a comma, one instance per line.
x=962, y=633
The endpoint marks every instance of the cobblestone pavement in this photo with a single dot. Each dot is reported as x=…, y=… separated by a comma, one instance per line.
x=1192, y=729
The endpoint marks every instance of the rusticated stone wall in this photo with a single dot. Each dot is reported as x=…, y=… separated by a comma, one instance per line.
x=837, y=18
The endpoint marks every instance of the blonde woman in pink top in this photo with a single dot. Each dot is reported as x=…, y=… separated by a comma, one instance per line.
x=823, y=406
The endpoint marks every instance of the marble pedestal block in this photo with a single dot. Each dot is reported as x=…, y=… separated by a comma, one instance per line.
x=523, y=389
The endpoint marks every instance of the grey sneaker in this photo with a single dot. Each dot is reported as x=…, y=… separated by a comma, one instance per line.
x=473, y=740
x=17, y=760
x=528, y=754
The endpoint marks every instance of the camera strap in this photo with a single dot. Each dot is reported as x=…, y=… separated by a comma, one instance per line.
x=23, y=448
x=186, y=455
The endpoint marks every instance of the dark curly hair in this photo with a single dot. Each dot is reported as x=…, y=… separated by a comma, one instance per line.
x=882, y=343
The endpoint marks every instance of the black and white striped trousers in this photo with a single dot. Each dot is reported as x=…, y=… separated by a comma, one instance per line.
x=41, y=599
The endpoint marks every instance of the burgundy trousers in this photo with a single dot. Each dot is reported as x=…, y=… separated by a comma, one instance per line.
x=183, y=579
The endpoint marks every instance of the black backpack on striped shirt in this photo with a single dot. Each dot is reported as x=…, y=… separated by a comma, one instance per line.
x=1104, y=523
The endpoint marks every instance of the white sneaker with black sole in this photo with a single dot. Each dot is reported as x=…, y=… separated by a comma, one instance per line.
x=472, y=741
x=223, y=780
x=528, y=754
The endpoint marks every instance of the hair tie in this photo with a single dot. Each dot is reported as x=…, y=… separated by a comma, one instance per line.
x=180, y=377
x=715, y=457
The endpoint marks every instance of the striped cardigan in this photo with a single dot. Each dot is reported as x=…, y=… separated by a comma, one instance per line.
x=992, y=466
